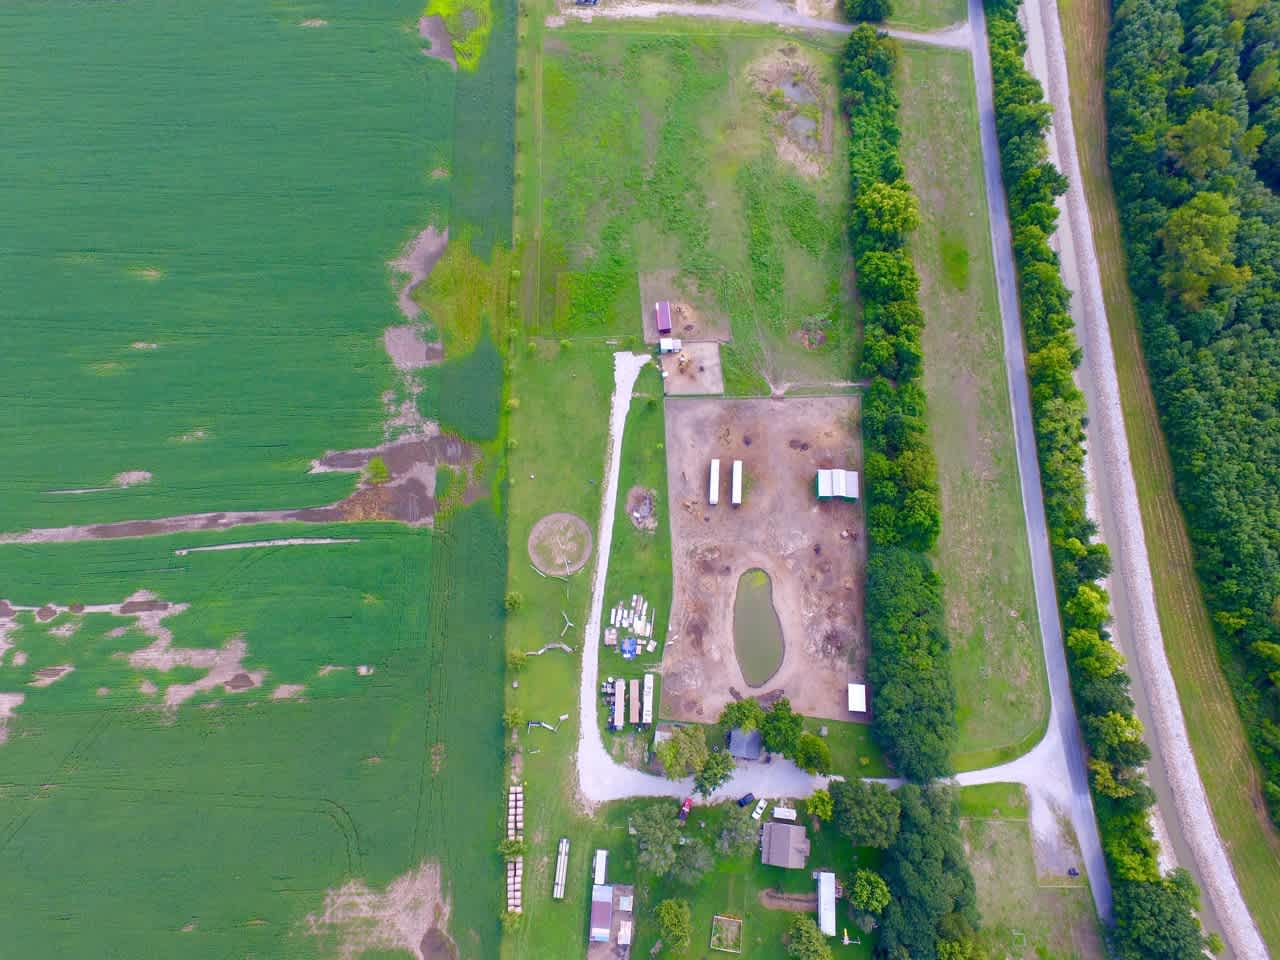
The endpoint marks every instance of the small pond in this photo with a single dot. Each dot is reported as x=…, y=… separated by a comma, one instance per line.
x=757, y=632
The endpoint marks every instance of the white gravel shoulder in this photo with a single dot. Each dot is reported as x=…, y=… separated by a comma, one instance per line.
x=1112, y=477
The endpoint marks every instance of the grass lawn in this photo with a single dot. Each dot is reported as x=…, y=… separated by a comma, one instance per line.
x=1212, y=721
x=653, y=155
x=928, y=14
x=734, y=886
x=640, y=560
x=983, y=556
x=1022, y=917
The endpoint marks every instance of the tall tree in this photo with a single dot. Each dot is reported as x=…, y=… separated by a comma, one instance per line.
x=716, y=769
x=656, y=833
x=865, y=813
x=781, y=728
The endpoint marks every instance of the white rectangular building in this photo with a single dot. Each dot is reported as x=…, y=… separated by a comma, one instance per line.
x=713, y=493
x=562, y=869
x=857, y=698
x=827, y=903
x=598, y=869
x=784, y=813
x=619, y=704
x=647, y=713
x=737, y=483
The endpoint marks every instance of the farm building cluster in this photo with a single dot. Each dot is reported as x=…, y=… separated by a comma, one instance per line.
x=637, y=692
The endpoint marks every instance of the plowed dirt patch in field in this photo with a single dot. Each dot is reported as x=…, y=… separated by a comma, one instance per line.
x=410, y=915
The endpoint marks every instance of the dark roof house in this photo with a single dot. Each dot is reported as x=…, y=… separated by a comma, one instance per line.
x=745, y=744
x=784, y=845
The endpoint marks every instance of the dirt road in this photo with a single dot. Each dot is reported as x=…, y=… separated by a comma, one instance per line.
x=1189, y=822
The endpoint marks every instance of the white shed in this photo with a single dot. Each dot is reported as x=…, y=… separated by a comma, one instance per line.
x=857, y=698
x=713, y=494
x=827, y=903
x=737, y=483
x=600, y=865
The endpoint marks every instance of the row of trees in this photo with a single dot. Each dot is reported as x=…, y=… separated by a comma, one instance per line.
x=1112, y=732
x=915, y=701
x=782, y=729
x=1194, y=115
x=924, y=906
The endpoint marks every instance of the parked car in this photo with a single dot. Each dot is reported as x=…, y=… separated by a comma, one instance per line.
x=758, y=812
x=685, y=808
x=746, y=800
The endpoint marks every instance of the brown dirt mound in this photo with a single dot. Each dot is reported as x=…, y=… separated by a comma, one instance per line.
x=794, y=902
x=560, y=543
x=642, y=509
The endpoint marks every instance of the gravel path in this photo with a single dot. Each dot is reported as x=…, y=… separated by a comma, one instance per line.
x=770, y=12
x=600, y=778
x=1183, y=803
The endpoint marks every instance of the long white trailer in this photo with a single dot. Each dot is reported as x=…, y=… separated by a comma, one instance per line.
x=713, y=493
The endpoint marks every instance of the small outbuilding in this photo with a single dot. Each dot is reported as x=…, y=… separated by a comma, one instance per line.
x=662, y=316
x=713, y=486
x=745, y=744
x=736, y=498
x=837, y=485
x=857, y=698
x=669, y=345
x=601, y=913
x=827, y=903
x=784, y=845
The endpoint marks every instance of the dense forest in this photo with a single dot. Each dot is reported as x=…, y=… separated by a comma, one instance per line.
x=1112, y=733
x=933, y=911
x=1194, y=112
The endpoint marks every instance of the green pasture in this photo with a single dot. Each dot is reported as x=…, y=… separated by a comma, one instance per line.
x=983, y=556
x=656, y=156
x=122, y=823
x=227, y=187
x=1025, y=916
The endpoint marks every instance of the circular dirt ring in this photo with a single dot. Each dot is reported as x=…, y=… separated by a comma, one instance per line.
x=560, y=544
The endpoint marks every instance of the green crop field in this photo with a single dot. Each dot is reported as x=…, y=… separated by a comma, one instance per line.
x=196, y=257
x=215, y=828
x=199, y=208
x=997, y=660
x=656, y=157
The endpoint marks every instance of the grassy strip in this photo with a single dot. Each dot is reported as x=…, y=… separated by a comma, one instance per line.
x=1101, y=687
x=1213, y=723
x=983, y=556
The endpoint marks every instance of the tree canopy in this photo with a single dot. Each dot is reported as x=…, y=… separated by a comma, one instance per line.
x=865, y=813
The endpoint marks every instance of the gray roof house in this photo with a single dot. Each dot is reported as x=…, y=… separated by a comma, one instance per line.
x=745, y=744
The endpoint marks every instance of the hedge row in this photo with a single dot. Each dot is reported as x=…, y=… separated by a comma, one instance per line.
x=915, y=702
x=1112, y=732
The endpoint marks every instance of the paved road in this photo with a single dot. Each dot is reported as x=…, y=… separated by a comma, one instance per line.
x=1062, y=715
x=1183, y=808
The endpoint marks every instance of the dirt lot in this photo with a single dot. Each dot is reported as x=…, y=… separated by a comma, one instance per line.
x=701, y=375
x=692, y=315
x=814, y=552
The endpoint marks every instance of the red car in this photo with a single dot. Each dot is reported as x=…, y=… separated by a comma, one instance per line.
x=685, y=808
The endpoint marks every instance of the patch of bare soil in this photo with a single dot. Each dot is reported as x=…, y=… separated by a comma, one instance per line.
x=223, y=665
x=641, y=508
x=131, y=478
x=803, y=115
x=47, y=676
x=148, y=273
x=419, y=258
x=9, y=703
x=143, y=345
x=407, y=349
x=47, y=612
x=200, y=433
x=438, y=754
x=314, y=22
x=434, y=30
x=695, y=370
x=287, y=691
x=412, y=914
x=560, y=544
x=693, y=314
x=408, y=496
x=814, y=552
x=794, y=902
